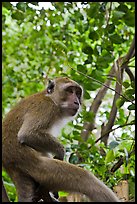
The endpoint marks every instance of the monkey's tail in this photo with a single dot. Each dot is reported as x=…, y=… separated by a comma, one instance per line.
x=59, y=175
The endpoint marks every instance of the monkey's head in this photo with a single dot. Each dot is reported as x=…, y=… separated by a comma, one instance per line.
x=66, y=94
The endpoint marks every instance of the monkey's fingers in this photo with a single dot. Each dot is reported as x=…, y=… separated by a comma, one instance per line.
x=56, y=195
x=42, y=195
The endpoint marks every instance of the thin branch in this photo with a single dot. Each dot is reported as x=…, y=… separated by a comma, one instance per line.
x=130, y=74
x=113, y=112
x=121, y=161
x=131, y=66
x=99, y=82
x=101, y=93
x=89, y=126
x=131, y=52
x=132, y=59
x=129, y=113
x=127, y=57
x=111, y=130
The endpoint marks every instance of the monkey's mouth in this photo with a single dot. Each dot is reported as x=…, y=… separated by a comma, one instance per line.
x=72, y=111
x=69, y=110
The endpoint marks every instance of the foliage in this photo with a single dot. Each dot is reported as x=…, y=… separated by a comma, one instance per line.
x=74, y=39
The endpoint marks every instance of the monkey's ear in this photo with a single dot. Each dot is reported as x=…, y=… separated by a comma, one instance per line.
x=50, y=87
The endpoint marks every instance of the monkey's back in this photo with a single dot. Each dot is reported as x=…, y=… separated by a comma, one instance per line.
x=12, y=151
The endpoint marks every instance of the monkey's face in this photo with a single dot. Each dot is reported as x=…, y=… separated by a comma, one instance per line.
x=67, y=94
x=71, y=99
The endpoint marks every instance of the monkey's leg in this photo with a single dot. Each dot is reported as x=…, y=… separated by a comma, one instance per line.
x=30, y=191
x=25, y=191
x=59, y=175
x=24, y=184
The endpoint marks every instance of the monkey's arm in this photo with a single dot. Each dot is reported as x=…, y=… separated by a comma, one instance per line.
x=33, y=134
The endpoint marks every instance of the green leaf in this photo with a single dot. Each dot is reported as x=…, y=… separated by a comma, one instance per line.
x=21, y=6
x=120, y=102
x=122, y=8
x=5, y=11
x=131, y=107
x=130, y=92
x=18, y=15
x=133, y=84
x=103, y=61
x=89, y=116
x=110, y=156
x=113, y=144
x=89, y=60
x=8, y=5
x=129, y=18
x=91, y=85
x=116, y=39
x=60, y=45
x=93, y=10
x=118, y=14
x=93, y=35
x=111, y=28
x=63, y=194
x=126, y=84
x=87, y=50
x=82, y=68
x=87, y=95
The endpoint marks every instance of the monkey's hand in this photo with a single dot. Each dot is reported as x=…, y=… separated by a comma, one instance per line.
x=60, y=152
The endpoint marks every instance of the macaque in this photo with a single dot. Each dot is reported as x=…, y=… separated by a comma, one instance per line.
x=31, y=153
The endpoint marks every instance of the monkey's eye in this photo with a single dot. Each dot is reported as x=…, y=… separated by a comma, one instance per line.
x=50, y=87
x=69, y=90
x=78, y=93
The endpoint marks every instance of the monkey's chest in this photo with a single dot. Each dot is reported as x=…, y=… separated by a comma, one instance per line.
x=55, y=129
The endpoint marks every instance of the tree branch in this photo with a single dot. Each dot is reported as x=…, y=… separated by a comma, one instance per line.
x=120, y=66
x=131, y=52
x=111, y=130
x=112, y=116
x=121, y=161
x=89, y=126
x=130, y=74
x=99, y=82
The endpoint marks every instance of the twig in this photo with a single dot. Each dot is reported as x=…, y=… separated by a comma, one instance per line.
x=89, y=126
x=131, y=52
x=113, y=112
x=130, y=74
x=111, y=130
x=132, y=59
x=127, y=99
x=127, y=59
x=121, y=161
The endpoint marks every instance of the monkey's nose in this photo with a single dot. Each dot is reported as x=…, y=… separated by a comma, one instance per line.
x=76, y=102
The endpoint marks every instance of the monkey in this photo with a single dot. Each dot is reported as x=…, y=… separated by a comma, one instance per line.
x=31, y=152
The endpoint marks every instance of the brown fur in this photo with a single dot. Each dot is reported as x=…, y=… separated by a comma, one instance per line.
x=27, y=142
